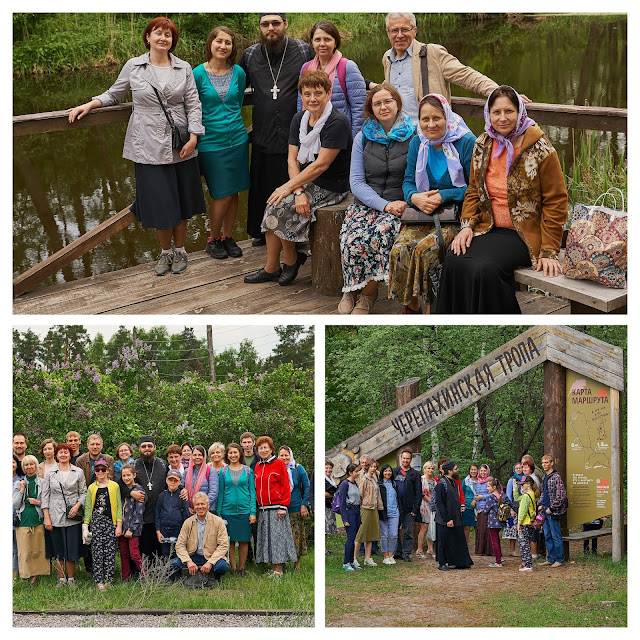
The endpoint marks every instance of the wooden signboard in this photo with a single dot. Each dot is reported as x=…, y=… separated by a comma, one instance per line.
x=588, y=424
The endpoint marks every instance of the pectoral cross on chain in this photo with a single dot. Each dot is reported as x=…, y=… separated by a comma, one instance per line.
x=275, y=91
x=150, y=485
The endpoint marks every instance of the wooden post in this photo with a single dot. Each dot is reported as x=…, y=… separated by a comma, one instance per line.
x=617, y=524
x=212, y=360
x=555, y=428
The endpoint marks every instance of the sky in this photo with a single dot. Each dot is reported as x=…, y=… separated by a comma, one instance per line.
x=264, y=337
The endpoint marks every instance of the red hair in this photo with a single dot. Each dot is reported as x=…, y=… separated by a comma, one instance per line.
x=267, y=440
x=161, y=23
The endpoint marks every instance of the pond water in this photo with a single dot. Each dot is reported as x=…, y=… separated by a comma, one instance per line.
x=67, y=183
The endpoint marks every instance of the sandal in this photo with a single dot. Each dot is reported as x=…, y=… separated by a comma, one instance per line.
x=420, y=554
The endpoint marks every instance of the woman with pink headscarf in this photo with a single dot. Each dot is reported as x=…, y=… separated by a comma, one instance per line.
x=513, y=212
x=199, y=477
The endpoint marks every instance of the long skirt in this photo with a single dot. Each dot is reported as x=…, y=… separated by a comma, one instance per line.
x=103, y=548
x=268, y=171
x=366, y=239
x=481, y=281
x=32, y=560
x=225, y=171
x=297, y=530
x=414, y=252
x=275, y=543
x=451, y=547
x=431, y=531
x=67, y=543
x=330, y=525
x=167, y=194
x=283, y=221
x=370, y=526
x=483, y=540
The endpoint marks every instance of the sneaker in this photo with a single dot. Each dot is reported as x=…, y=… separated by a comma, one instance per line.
x=275, y=574
x=62, y=582
x=100, y=586
x=163, y=265
x=347, y=567
x=232, y=247
x=443, y=567
x=258, y=242
x=535, y=556
x=242, y=573
x=179, y=263
x=369, y=562
x=216, y=249
x=392, y=560
x=556, y=564
x=71, y=582
x=356, y=565
x=525, y=569
x=496, y=564
x=545, y=562
x=387, y=561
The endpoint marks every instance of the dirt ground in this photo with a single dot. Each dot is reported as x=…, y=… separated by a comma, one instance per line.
x=417, y=594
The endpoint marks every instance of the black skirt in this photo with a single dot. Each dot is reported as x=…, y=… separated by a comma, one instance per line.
x=167, y=194
x=67, y=543
x=481, y=280
x=451, y=547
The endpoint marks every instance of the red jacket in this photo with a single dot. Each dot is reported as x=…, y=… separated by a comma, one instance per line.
x=272, y=483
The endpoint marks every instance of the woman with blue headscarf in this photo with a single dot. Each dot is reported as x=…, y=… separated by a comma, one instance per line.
x=513, y=212
x=378, y=161
x=437, y=173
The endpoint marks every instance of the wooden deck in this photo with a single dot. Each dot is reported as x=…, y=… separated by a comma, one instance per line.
x=208, y=287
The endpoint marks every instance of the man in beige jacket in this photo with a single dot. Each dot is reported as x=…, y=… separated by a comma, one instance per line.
x=405, y=62
x=203, y=544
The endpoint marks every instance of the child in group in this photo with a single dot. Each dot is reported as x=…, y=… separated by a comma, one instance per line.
x=132, y=523
x=526, y=515
x=103, y=511
x=171, y=512
x=492, y=504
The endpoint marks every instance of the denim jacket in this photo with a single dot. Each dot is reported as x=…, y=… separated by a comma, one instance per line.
x=148, y=139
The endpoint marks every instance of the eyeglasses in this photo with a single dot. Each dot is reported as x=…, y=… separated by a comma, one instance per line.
x=271, y=23
x=387, y=103
x=100, y=470
x=402, y=30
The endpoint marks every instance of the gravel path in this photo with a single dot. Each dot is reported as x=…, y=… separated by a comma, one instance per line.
x=186, y=620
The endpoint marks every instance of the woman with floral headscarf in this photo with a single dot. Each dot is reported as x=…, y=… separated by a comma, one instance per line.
x=437, y=173
x=378, y=160
x=513, y=212
x=299, y=505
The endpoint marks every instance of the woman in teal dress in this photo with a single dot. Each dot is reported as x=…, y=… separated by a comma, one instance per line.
x=223, y=151
x=438, y=167
x=237, y=504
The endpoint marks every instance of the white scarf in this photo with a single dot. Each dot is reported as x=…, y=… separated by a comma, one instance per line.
x=310, y=142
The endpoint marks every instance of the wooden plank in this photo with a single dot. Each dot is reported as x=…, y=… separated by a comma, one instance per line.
x=559, y=115
x=586, y=535
x=453, y=395
x=591, y=294
x=617, y=509
x=586, y=355
x=34, y=276
x=532, y=303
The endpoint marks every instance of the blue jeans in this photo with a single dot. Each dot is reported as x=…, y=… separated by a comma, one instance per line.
x=353, y=518
x=219, y=568
x=553, y=539
x=389, y=534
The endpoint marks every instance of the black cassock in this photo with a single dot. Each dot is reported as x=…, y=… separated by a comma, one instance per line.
x=451, y=545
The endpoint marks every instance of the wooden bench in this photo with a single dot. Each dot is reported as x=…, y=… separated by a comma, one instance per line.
x=584, y=296
x=581, y=536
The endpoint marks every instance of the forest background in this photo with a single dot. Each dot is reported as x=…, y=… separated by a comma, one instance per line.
x=161, y=384
x=364, y=363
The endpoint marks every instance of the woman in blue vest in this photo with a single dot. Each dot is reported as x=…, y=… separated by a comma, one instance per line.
x=438, y=168
x=348, y=93
x=299, y=505
x=371, y=224
x=237, y=504
x=223, y=151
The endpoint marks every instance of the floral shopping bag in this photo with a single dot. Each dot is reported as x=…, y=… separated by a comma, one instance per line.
x=597, y=243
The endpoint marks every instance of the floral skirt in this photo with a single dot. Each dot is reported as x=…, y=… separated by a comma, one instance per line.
x=297, y=530
x=283, y=221
x=366, y=239
x=274, y=543
x=414, y=252
x=330, y=521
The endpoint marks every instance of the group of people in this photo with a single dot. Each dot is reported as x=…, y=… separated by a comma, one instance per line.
x=179, y=509
x=384, y=506
x=320, y=130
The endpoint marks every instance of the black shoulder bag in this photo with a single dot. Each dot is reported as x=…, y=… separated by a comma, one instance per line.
x=178, y=137
x=79, y=514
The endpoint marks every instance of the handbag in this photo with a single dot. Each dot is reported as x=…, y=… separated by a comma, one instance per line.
x=597, y=242
x=179, y=137
x=79, y=514
x=449, y=213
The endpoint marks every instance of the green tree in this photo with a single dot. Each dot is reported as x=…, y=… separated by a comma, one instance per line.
x=26, y=345
x=235, y=361
x=121, y=338
x=64, y=343
x=97, y=352
x=296, y=345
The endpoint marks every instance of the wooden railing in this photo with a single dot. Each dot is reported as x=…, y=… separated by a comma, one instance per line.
x=560, y=115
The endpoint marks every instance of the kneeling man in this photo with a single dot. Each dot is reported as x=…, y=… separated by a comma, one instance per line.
x=203, y=543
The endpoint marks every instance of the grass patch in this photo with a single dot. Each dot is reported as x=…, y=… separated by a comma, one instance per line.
x=294, y=591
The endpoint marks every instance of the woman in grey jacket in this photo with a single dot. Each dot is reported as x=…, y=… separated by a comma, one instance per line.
x=168, y=185
x=64, y=492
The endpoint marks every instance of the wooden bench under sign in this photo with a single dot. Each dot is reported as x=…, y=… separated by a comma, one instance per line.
x=580, y=536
